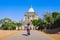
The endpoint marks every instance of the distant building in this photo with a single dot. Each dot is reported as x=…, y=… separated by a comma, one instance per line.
x=30, y=15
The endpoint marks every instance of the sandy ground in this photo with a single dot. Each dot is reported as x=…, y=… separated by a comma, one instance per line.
x=8, y=33
x=54, y=36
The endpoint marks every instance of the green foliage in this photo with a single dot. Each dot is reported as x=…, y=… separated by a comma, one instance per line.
x=7, y=24
x=2, y=21
x=53, y=20
x=38, y=23
x=56, y=22
x=19, y=25
x=55, y=14
x=35, y=22
x=49, y=18
x=57, y=17
x=50, y=21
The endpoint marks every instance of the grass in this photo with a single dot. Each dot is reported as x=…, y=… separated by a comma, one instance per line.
x=54, y=36
x=8, y=33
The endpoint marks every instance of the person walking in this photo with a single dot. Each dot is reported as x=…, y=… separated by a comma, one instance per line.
x=28, y=28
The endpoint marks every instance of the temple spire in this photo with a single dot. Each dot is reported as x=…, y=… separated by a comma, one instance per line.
x=31, y=9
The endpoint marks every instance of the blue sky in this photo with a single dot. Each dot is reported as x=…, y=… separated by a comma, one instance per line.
x=15, y=9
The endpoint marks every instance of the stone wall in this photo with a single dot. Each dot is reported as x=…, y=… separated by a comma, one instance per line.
x=53, y=31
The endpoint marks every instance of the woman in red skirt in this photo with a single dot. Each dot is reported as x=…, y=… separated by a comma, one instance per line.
x=28, y=29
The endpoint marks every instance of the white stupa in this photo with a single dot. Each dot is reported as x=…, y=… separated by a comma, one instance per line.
x=31, y=9
x=28, y=17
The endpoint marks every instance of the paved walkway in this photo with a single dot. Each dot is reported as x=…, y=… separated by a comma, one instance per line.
x=34, y=36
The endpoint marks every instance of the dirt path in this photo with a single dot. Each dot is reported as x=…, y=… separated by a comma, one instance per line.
x=54, y=36
x=34, y=36
x=8, y=33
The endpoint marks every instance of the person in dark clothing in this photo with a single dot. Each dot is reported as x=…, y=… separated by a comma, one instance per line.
x=28, y=29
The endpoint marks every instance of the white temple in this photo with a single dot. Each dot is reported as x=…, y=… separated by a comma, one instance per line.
x=31, y=9
x=30, y=15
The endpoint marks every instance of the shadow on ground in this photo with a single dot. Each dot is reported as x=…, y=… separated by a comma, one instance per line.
x=25, y=34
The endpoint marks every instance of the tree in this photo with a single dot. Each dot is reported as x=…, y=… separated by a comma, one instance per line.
x=38, y=23
x=48, y=17
x=53, y=20
x=55, y=14
x=18, y=25
x=7, y=24
x=2, y=21
x=56, y=22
